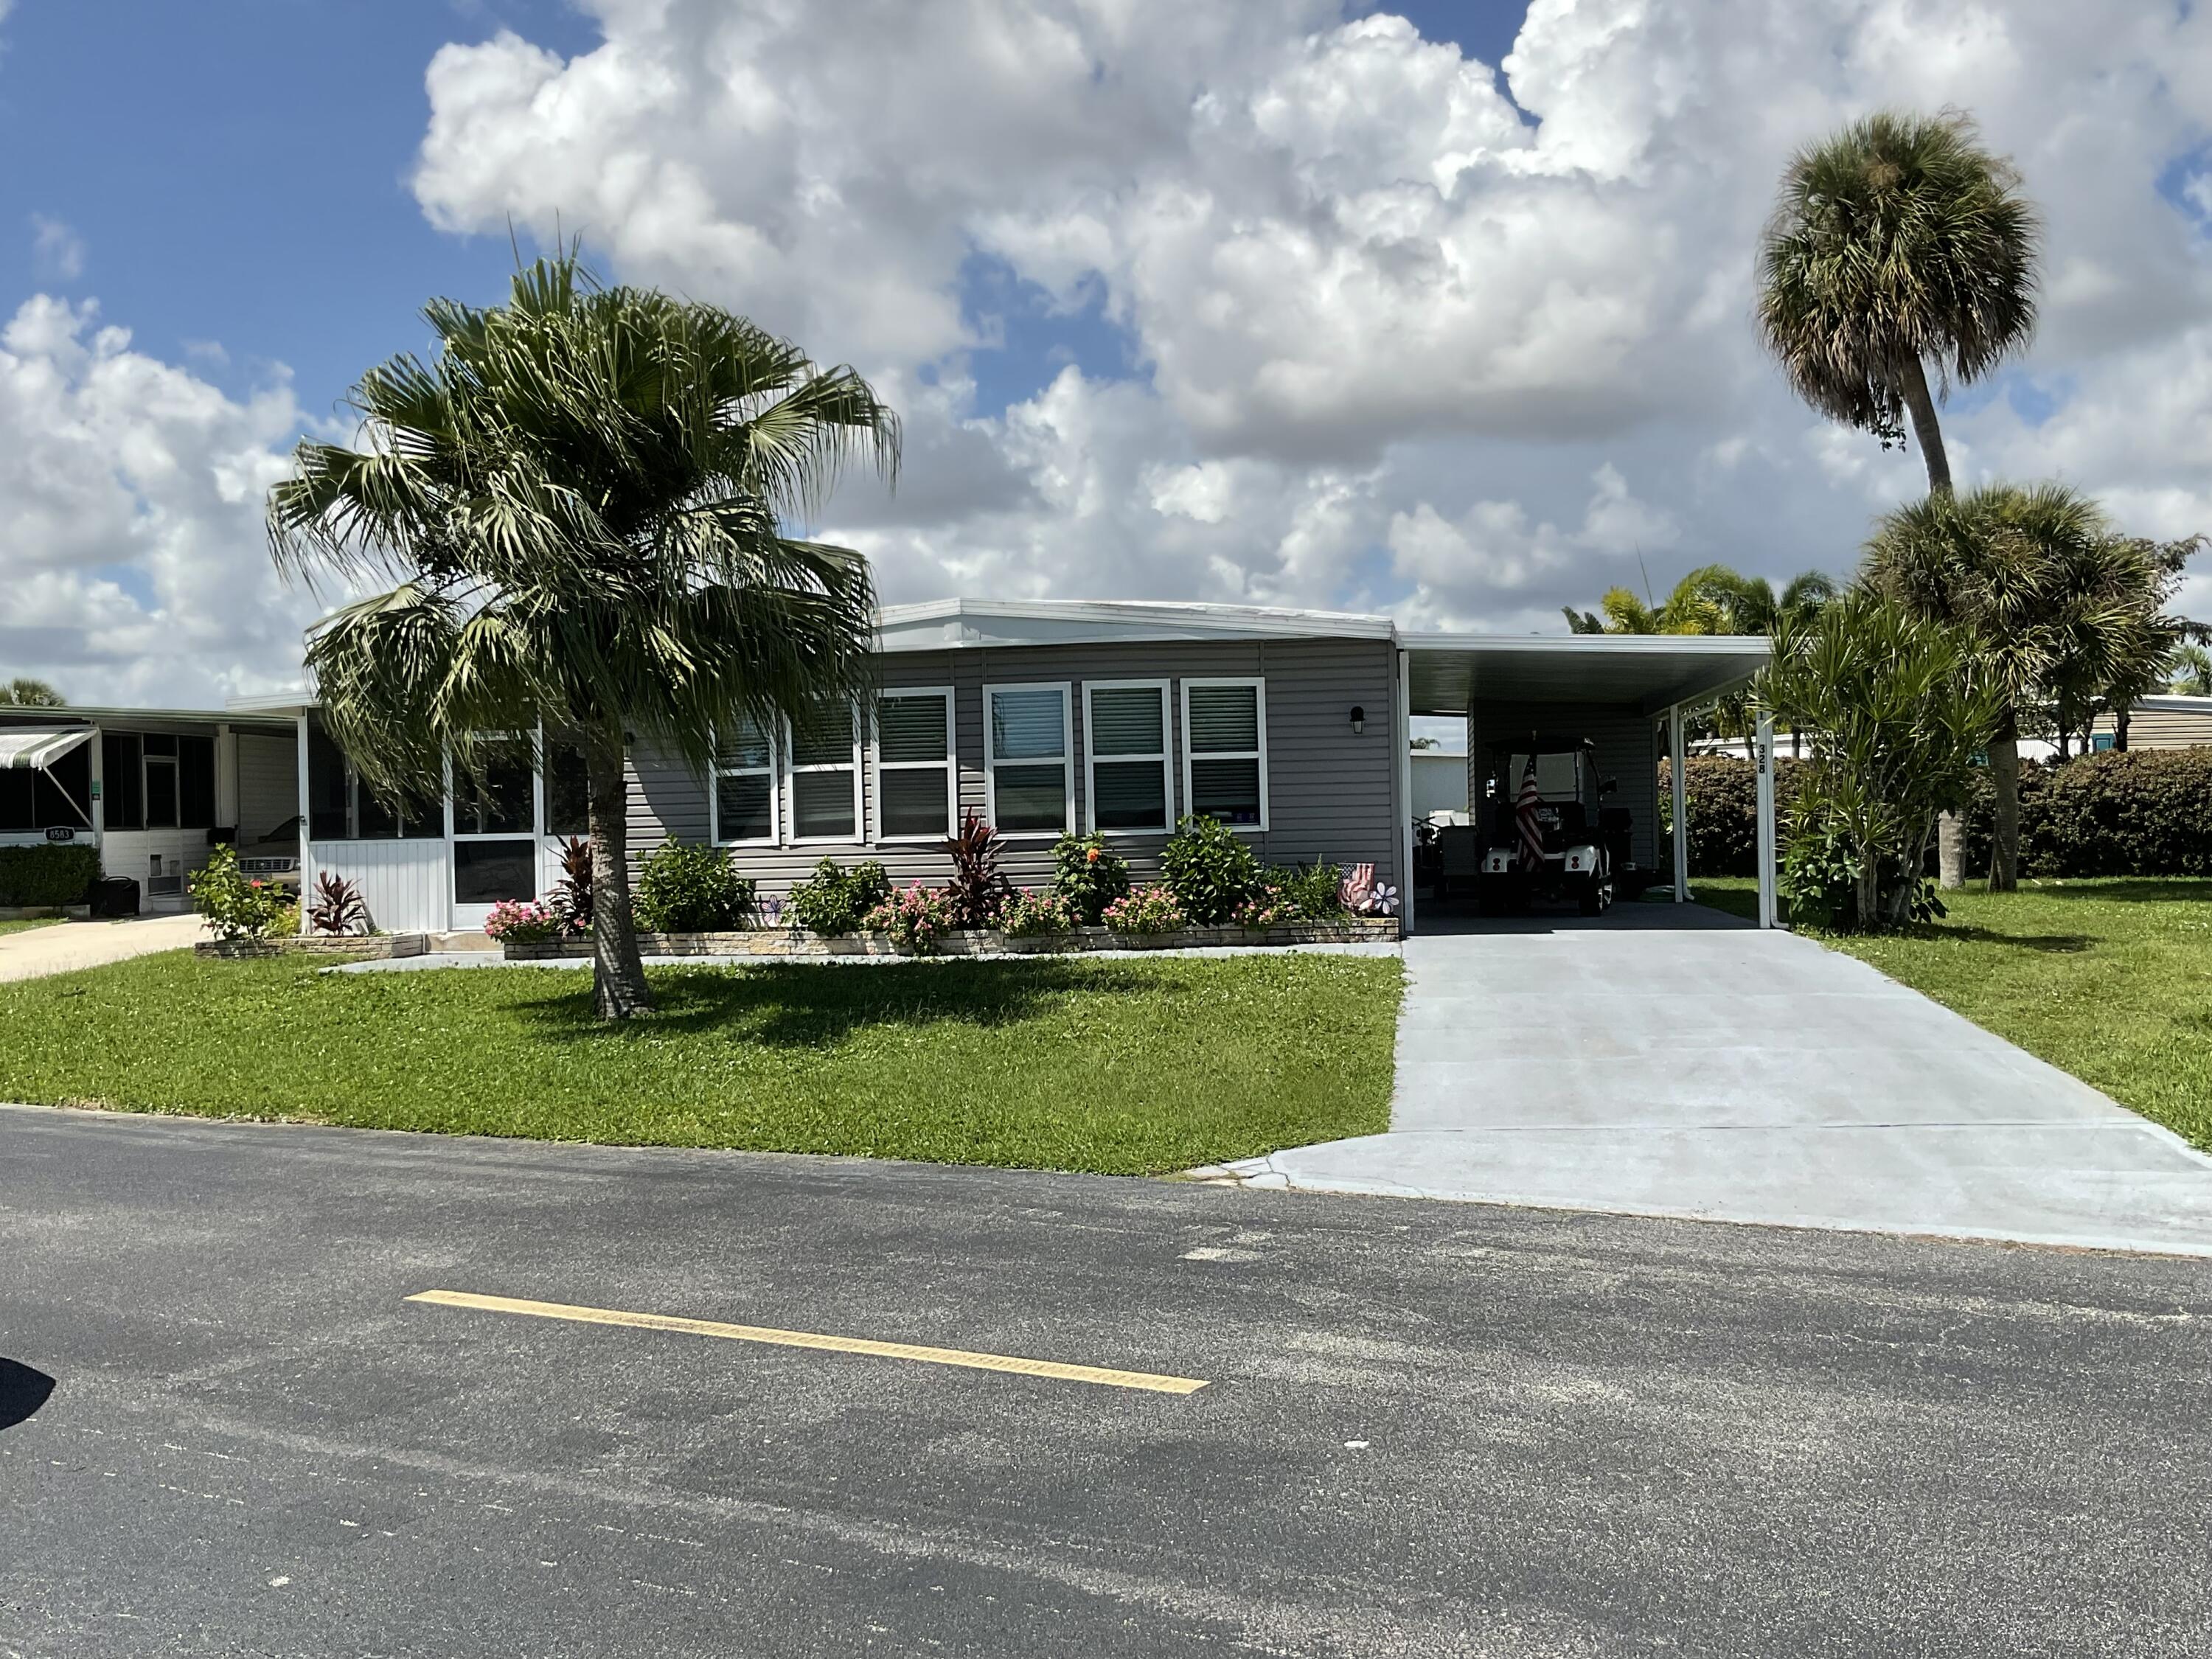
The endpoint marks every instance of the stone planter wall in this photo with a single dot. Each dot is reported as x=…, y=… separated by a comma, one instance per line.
x=791, y=942
x=31, y=912
x=375, y=947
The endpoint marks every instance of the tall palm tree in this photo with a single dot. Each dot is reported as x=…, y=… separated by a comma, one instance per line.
x=580, y=503
x=1897, y=243
x=2049, y=600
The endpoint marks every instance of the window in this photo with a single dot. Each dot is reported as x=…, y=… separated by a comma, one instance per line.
x=567, y=790
x=486, y=871
x=340, y=807
x=123, y=781
x=917, y=786
x=500, y=800
x=1028, y=782
x=745, y=785
x=1125, y=725
x=196, y=782
x=53, y=797
x=825, y=776
x=161, y=780
x=1224, y=762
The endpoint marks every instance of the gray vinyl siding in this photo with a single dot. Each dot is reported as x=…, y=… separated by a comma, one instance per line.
x=1331, y=794
x=1629, y=748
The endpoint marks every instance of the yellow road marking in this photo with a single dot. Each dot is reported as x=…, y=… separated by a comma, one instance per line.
x=982, y=1362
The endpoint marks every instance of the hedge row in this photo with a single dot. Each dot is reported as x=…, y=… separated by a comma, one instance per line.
x=2136, y=812
x=58, y=873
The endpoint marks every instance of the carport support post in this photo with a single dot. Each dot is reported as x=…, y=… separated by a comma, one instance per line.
x=1767, y=917
x=1677, y=780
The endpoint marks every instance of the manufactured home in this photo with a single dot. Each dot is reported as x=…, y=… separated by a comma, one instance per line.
x=1045, y=718
x=154, y=789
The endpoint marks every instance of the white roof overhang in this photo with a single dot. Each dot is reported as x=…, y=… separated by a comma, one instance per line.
x=1650, y=672
x=24, y=748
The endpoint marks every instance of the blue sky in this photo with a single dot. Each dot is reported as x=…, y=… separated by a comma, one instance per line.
x=1351, y=330
x=234, y=173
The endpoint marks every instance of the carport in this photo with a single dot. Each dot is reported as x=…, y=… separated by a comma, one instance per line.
x=1617, y=689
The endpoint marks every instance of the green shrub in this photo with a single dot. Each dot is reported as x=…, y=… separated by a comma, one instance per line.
x=2123, y=812
x=683, y=887
x=833, y=900
x=238, y=909
x=1032, y=915
x=1314, y=892
x=57, y=873
x=1723, y=793
x=1210, y=870
x=1089, y=874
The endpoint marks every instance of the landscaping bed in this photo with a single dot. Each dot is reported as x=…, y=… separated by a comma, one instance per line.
x=962, y=942
x=1066, y=1062
x=2108, y=978
x=369, y=947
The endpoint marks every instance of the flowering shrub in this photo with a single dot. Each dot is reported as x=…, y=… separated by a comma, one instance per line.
x=524, y=922
x=1028, y=914
x=1089, y=874
x=914, y=918
x=1147, y=910
x=1271, y=907
x=236, y=908
x=1314, y=892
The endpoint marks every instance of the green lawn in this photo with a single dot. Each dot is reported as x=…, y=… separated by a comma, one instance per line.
x=2110, y=979
x=1120, y=1066
x=34, y=921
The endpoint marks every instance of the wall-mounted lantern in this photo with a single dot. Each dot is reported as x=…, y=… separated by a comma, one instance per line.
x=1358, y=720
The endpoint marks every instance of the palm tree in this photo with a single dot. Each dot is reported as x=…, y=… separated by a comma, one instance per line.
x=2190, y=673
x=24, y=692
x=1896, y=243
x=1713, y=599
x=2049, y=600
x=580, y=503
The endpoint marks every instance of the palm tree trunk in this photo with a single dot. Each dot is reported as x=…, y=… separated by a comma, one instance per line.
x=1912, y=386
x=2119, y=728
x=618, y=988
x=1950, y=852
x=2004, y=780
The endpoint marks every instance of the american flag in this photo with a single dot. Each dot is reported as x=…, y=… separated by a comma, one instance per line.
x=1524, y=810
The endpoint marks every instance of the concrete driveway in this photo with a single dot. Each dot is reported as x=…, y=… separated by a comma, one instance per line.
x=1672, y=1060
x=37, y=951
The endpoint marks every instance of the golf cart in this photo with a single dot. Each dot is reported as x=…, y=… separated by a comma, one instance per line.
x=1549, y=837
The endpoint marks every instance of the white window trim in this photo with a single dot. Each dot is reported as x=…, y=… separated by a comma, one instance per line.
x=791, y=768
x=949, y=766
x=774, y=771
x=1260, y=709
x=1091, y=757
x=1066, y=689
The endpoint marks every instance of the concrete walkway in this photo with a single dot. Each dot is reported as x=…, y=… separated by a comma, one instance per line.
x=1670, y=1060
x=38, y=951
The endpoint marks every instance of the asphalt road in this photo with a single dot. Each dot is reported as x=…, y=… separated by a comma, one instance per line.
x=1427, y=1428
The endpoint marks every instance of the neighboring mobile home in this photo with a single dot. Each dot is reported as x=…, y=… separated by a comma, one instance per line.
x=1043, y=718
x=2160, y=722
x=154, y=789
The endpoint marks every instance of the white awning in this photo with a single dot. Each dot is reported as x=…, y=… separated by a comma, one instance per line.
x=37, y=747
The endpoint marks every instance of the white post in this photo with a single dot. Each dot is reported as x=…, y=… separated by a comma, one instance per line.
x=1402, y=733
x=1677, y=774
x=1767, y=914
x=307, y=848
x=96, y=808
